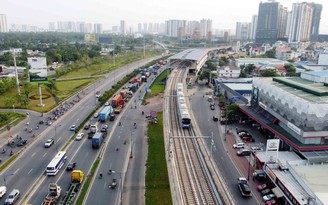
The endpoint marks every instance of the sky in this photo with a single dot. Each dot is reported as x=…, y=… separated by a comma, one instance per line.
x=224, y=14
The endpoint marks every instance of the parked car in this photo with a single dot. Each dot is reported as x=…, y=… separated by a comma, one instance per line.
x=49, y=142
x=268, y=197
x=271, y=202
x=248, y=139
x=243, y=152
x=238, y=145
x=242, y=132
x=256, y=148
x=262, y=187
x=41, y=122
x=266, y=191
x=96, y=115
x=70, y=166
x=79, y=136
x=21, y=142
x=48, y=123
x=72, y=128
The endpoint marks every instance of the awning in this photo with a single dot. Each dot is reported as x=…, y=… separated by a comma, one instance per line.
x=277, y=192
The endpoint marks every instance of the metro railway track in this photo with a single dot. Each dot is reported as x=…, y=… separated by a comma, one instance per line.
x=194, y=183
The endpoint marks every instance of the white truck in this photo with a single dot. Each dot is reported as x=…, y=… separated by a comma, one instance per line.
x=53, y=195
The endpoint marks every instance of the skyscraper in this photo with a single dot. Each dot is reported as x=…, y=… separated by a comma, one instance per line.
x=243, y=30
x=205, y=28
x=97, y=28
x=317, y=8
x=300, y=24
x=52, y=26
x=123, y=27
x=175, y=28
x=268, y=27
x=3, y=23
x=139, y=28
x=253, y=27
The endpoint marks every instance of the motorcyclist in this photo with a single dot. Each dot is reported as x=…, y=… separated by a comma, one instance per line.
x=142, y=113
x=110, y=171
x=11, y=153
x=100, y=175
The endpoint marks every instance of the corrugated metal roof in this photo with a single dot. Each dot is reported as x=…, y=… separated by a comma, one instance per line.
x=190, y=54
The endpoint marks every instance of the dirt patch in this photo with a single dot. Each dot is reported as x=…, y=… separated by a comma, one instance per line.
x=36, y=97
x=154, y=103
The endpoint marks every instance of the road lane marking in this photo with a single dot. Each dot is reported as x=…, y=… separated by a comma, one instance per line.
x=33, y=154
x=29, y=172
x=16, y=171
x=44, y=154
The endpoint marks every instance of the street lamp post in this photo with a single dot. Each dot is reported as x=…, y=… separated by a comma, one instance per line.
x=56, y=133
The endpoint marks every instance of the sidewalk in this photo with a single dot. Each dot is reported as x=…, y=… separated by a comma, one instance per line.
x=243, y=164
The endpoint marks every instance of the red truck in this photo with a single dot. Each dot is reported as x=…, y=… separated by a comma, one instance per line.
x=135, y=79
x=116, y=100
x=123, y=93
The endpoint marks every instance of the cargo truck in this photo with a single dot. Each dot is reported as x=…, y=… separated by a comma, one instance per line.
x=123, y=93
x=104, y=114
x=77, y=177
x=97, y=139
x=53, y=195
x=116, y=100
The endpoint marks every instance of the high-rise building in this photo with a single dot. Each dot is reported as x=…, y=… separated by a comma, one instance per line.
x=205, y=28
x=192, y=29
x=243, y=30
x=123, y=27
x=282, y=23
x=3, y=23
x=268, y=26
x=145, y=28
x=175, y=28
x=253, y=27
x=317, y=8
x=300, y=24
x=97, y=28
x=139, y=28
x=52, y=26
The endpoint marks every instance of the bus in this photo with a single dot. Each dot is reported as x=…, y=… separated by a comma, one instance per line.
x=57, y=162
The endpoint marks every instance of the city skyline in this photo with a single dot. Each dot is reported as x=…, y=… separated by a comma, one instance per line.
x=40, y=13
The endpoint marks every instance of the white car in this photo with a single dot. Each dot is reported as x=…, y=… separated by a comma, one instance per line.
x=256, y=148
x=238, y=145
x=96, y=115
x=3, y=191
x=49, y=142
x=107, y=104
x=79, y=136
x=268, y=197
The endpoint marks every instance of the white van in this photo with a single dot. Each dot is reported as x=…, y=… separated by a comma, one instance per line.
x=3, y=191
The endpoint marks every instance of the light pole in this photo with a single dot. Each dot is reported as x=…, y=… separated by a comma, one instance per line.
x=226, y=123
x=131, y=141
x=56, y=134
x=4, y=177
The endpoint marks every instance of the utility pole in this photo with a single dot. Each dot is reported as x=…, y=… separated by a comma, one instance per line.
x=144, y=48
x=16, y=73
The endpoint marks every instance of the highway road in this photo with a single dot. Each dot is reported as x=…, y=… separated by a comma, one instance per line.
x=31, y=163
x=203, y=115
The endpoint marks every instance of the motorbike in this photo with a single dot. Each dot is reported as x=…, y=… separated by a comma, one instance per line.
x=3, y=151
x=100, y=176
x=11, y=153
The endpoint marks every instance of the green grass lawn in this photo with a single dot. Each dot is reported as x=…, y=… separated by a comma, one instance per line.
x=8, y=117
x=156, y=87
x=157, y=181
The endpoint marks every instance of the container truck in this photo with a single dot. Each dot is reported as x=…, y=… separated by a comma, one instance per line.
x=77, y=177
x=97, y=139
x=103, y=115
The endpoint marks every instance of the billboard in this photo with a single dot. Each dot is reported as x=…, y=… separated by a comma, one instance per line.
x=37, y=68
x=272, y=150
x=106, y=40
x=90, y=37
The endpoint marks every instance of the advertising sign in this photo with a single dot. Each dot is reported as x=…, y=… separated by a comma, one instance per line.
x=90, y=37
x=37, y=68
x=272, y=150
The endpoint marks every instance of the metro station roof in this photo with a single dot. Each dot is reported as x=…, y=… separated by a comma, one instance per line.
x=190, y=54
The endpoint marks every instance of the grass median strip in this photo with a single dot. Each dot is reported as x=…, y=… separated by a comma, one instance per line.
x=157, y=181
